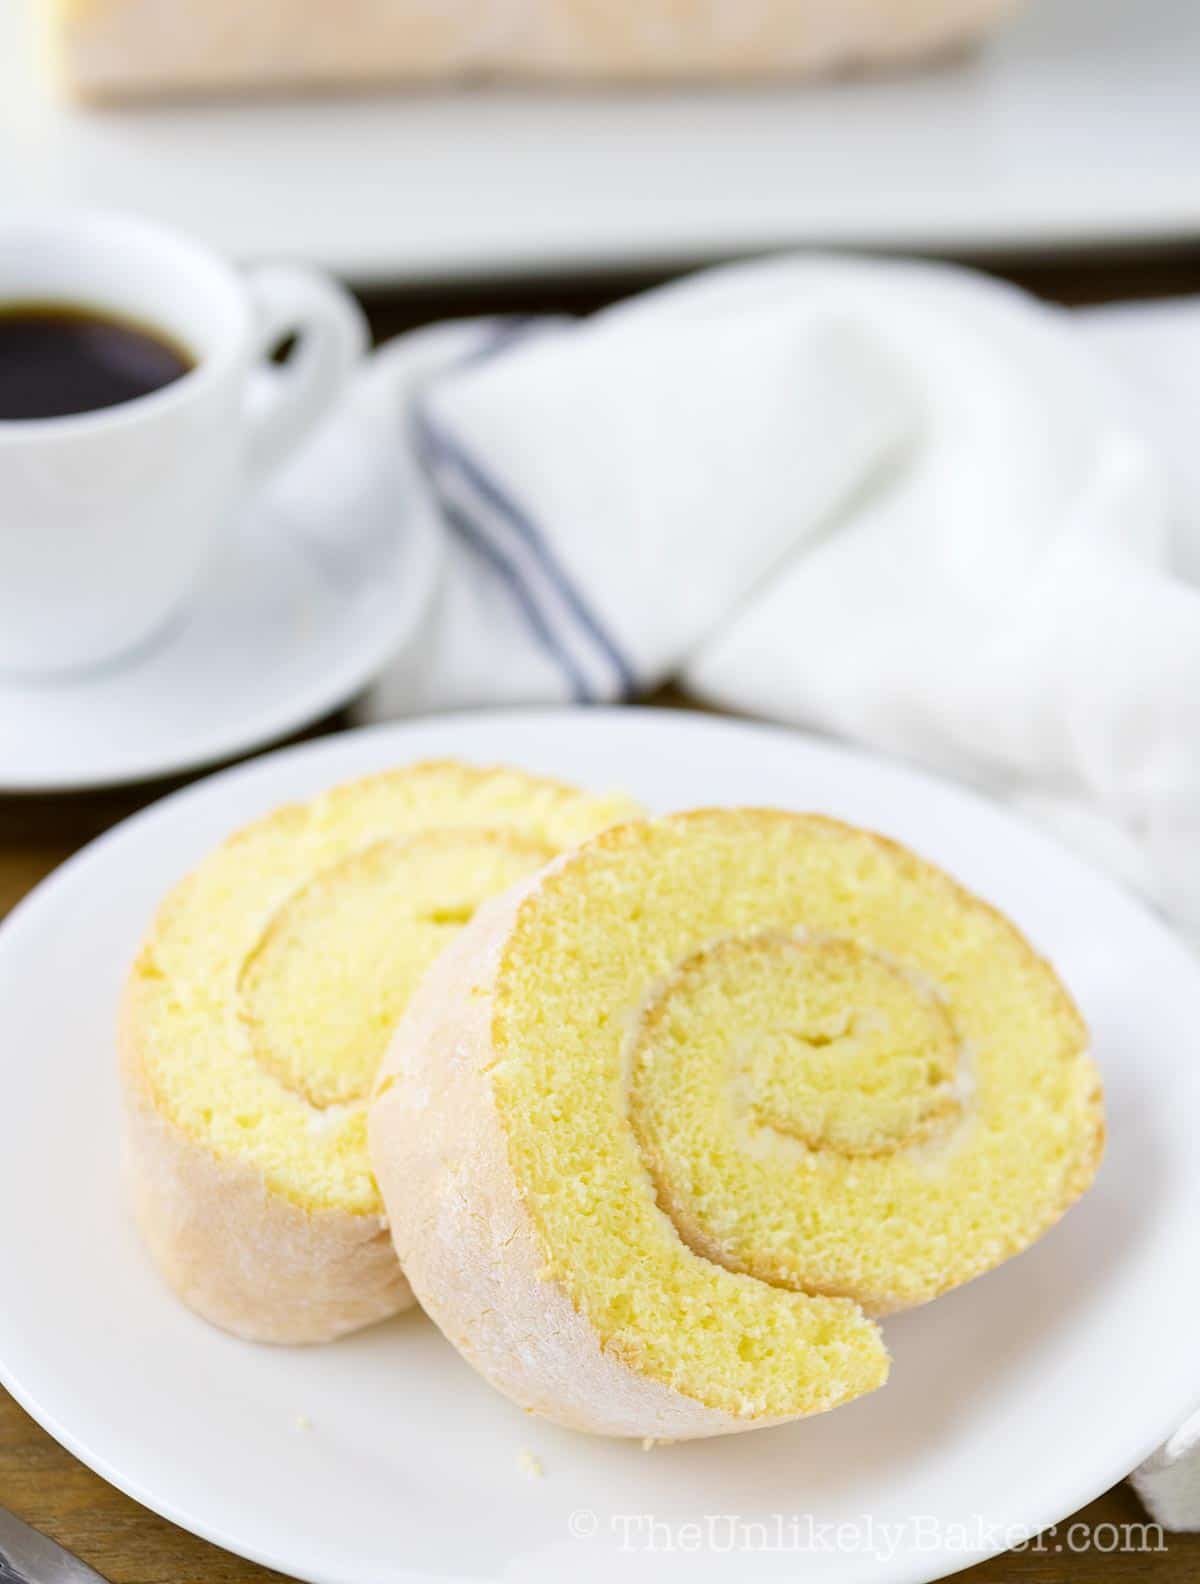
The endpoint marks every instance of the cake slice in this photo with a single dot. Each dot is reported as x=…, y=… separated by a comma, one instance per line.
x=256, y=1014
x=671, y=1123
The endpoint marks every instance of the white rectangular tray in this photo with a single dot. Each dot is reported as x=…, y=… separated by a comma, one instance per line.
x=1079, y=124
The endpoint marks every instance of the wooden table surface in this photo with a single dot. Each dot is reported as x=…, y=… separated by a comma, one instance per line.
x=128, y=1545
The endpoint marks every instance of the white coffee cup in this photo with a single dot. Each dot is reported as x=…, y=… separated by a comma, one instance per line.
x=108, y=518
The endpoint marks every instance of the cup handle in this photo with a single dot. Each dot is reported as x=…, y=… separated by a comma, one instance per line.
x=286, y=400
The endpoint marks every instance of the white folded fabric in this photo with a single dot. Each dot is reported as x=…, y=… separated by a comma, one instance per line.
x=899, y=502
x=1169, y=1482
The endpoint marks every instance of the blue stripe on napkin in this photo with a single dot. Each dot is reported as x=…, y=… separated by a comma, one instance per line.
x=490, y=520
x=462, y=525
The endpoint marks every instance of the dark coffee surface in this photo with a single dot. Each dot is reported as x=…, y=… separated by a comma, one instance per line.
x=56, y=359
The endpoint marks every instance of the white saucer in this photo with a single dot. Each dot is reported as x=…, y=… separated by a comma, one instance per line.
x=284, y=631
x=1012, y=1402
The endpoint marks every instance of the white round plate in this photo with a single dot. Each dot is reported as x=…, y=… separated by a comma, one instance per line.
x=1012, y=1401
x=283, y=631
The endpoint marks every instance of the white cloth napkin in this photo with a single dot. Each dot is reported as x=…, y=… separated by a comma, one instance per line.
x=899, y=502
x=1169, y=1482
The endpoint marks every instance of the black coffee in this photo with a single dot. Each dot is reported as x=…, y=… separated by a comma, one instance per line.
x=57, y=359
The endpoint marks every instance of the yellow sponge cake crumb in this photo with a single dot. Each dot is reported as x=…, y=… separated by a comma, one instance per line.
x=730, y=1084
x=258, y=1010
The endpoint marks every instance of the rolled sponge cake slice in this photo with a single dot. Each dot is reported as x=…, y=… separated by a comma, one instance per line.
x=670, y=1123
x=257, y=1011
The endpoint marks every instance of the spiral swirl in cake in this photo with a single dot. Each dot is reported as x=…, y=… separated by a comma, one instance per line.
x=729, y=1083
x=257, y=1013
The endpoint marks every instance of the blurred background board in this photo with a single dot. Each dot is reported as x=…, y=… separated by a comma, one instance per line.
x=1078, y=126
